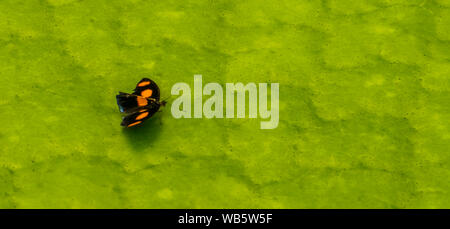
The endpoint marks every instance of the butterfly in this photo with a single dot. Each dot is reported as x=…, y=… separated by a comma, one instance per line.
x=142, y=104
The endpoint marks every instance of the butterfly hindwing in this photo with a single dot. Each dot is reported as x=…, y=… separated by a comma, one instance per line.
x=147, y=88
x=139, y=116
x=130, y=102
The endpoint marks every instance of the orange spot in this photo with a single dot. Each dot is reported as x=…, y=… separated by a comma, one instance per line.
x=142, y=101
x=145, y=83
x=141, y=116
x=134, y=123
x=146, y=93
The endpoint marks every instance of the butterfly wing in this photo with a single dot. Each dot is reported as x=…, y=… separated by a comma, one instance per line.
x=147, y=88
x=129, y=103
x=140, y=116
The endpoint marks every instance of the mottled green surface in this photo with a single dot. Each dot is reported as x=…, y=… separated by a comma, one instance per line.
x=364, y=104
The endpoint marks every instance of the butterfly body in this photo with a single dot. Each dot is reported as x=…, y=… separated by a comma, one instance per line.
x=142, y=104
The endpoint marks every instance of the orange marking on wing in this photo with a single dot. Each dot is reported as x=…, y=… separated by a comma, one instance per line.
x=134, y=123
x=146, y=93
x=141, y=116
x=145, y=83
x=142, y=101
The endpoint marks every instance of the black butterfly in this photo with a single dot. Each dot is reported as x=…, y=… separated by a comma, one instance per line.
x=141, y=105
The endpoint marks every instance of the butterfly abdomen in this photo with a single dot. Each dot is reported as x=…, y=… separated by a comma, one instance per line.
x=128, y=102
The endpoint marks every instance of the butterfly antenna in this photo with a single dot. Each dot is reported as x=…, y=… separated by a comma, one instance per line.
x=163, y=102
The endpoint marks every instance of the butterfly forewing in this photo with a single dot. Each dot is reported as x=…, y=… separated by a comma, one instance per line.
x=147, y=88
x=140, y=116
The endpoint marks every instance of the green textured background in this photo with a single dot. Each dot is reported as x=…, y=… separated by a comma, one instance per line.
x=364, y=104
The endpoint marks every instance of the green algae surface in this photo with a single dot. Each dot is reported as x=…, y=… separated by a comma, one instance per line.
x=364, y=104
